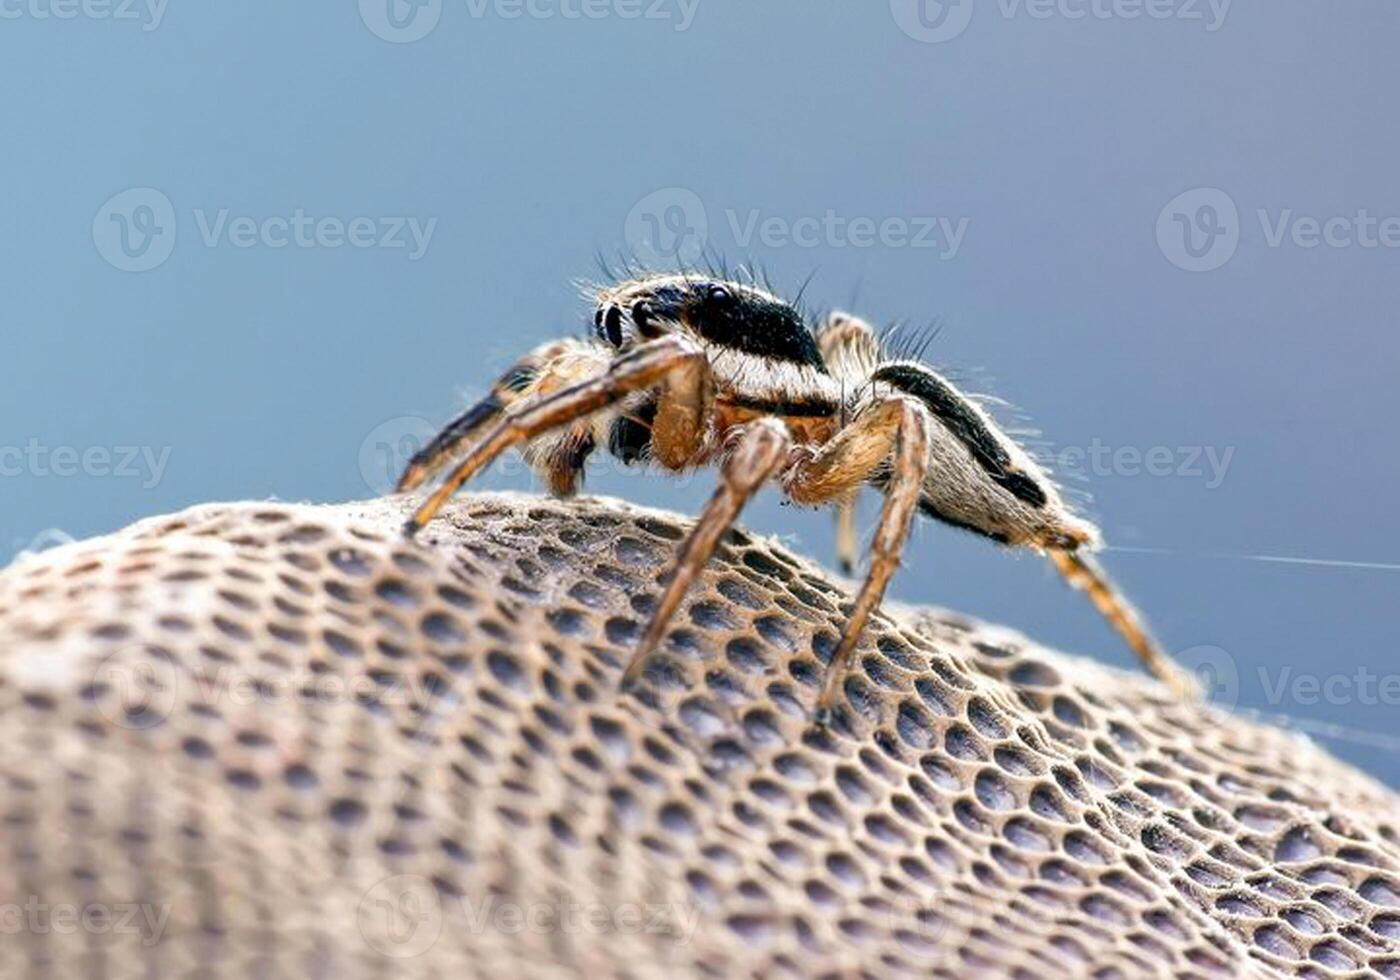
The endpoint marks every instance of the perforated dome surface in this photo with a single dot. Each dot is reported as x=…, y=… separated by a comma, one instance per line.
x=278, y=740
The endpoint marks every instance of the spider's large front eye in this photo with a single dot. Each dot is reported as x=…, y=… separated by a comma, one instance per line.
x=719, y=295
x=609, y=325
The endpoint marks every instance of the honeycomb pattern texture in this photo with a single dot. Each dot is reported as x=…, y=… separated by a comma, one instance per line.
x=278, y=740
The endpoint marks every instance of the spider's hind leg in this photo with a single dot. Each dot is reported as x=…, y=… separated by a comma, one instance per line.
x=1083, y=572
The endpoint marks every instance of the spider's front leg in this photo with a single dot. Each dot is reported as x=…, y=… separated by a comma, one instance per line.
x=647, y=365
x=543, y=370
x=755, y=452
x=894, y=432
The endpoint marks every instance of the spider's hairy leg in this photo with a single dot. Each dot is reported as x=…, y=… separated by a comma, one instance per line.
x=759, y=449
x=850, y=348
x=1083, y=572
x=892, y=431
x=641, y=367
x=545, y=368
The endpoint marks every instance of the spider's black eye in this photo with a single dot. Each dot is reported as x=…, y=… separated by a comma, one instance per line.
x=718, y=294
x=609, y=324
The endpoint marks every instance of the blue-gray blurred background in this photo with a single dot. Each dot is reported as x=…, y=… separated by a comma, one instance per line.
x=1073, y=191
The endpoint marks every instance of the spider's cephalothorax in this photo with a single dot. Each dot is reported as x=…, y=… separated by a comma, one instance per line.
x=690, y=370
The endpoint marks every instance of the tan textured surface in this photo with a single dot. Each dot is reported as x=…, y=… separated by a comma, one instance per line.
x=176, y=739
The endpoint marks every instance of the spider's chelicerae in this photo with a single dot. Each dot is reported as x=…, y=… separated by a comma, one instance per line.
x=690, y=370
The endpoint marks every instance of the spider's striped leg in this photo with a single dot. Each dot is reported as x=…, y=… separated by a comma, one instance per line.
x=1083, y=572
x=759, y=449
x=893, y=431
x=643, y=366
x=435, y=455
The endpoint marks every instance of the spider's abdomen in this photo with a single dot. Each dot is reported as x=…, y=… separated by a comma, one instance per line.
x=967, y=424
x=979, y=479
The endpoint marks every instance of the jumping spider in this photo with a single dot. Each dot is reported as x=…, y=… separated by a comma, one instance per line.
x=688, y=370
